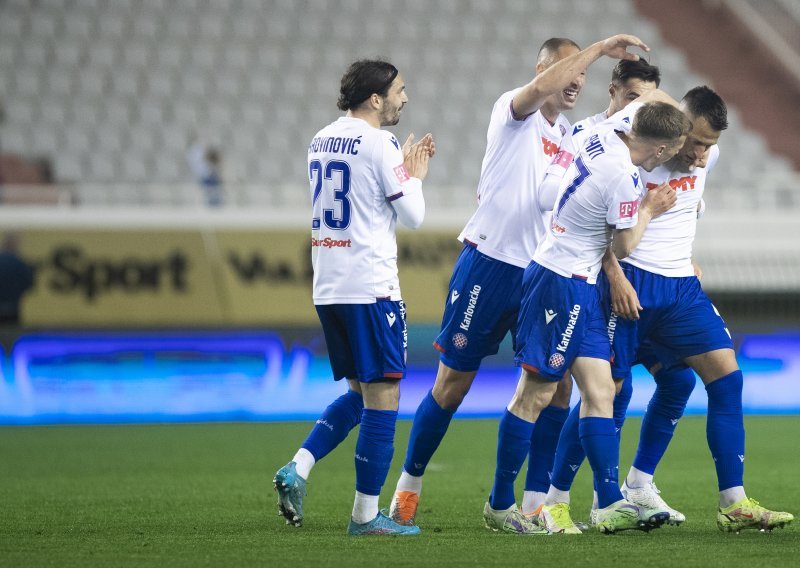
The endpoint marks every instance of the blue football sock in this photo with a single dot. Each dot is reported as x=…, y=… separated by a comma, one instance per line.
x=543, y=448
x=673, y=388
x=569, y=452
x=621, y=402
x=599, y=439
x=341, y=416
x=429, y=427
x=513, y=443
x=374, y=449
x=725, y=429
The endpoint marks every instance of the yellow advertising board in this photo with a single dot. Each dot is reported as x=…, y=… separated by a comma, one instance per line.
x=123, y=278
x=210, y=278
x=265, y=276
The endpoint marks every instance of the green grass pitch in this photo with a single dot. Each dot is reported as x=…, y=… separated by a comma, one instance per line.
x=200, y=495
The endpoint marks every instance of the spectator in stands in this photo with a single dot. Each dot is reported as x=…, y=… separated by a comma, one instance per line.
x=16, y=277
x=205, y=162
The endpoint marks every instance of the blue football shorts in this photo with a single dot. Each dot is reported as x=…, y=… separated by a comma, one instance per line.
x=481, y=307
x=560, y=319
x=678, y=321
x=366, y=342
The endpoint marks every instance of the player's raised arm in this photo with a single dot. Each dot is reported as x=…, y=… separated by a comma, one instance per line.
x=558, y=76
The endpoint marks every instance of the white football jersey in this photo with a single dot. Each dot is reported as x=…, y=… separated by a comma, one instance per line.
x=508, y=223
x=571, y=142
x=666, y=247
x=355, y=172
x=600, y=191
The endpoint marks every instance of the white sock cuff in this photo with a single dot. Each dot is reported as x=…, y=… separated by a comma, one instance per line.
x=408, y=482
x=304, y=461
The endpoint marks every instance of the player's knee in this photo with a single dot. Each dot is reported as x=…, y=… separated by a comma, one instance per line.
x=675, y=386
x=451, y=387
x=599, y=397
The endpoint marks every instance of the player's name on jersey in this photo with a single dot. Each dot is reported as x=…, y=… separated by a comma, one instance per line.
x=335, y=145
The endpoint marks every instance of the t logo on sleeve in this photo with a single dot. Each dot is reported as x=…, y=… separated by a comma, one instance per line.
x=627, y=209
x=402, y=173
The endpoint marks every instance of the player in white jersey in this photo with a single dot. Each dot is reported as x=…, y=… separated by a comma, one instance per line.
x=483, y=300
x=669, y=323
x=361, y=183
x=629, y=80
x=561, y=325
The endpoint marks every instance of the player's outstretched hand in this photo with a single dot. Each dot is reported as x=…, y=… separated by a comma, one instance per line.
x=419, y=154
x=617, y=46
x=659, y=200
x=624, y=301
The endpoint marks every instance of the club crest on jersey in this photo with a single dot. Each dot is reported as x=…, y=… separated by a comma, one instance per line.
x=390, y=317
x=460, y=340
x=556, y=361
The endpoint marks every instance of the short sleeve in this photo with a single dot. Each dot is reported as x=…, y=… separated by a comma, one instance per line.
x=391, y=171
x=713, y=156
x=623, y=198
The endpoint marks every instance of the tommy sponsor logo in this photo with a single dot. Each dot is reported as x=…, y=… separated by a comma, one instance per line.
x=402, y=173
x=329, y=243
x=612, y=327
x=549, y=315
x=473, y=299
x=567, y=335
x=390, y=317
x=627, y=209
x=460, y=341
x=685, y=183
x=325, y=423
x=454, y=295
x=549, y=147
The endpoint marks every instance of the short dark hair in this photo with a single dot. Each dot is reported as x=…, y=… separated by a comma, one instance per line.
x=552, y=45
x=626, y=69
x=660, y=121
x=363, y=79
x=702, y=101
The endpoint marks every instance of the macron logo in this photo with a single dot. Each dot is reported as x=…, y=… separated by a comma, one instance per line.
x=674, y=421
x=574, y=467
x=391, y=318
x=741, y=458
x=454, y=296
x=549, y=315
